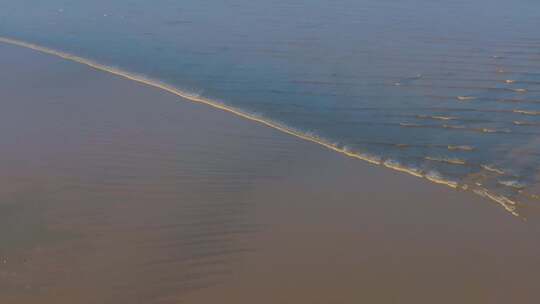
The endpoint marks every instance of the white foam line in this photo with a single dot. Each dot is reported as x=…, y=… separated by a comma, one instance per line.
x=198, y=99
x=505, y=202
x=398, y=167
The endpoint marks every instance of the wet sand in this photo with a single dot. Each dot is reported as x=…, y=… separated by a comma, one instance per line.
x=114, y=192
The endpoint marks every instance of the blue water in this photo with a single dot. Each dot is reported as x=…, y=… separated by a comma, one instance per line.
x=447, y=87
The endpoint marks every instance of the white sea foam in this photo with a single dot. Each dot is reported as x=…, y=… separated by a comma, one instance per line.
x=512, y=183
x=525, y=112
x=395, y=165
x=436, y=117
x=506, y=203
x=492, y=168
x=438, y=179
x=486, y=130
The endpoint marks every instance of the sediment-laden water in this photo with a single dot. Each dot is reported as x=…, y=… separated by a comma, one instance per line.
x=449, y=92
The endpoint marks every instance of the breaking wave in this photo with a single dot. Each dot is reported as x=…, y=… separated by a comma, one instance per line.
x=525, y=112
x=512, y=184
x=492, y=168
x=453, y=161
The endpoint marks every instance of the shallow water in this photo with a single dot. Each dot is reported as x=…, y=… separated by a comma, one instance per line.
x=448, y=90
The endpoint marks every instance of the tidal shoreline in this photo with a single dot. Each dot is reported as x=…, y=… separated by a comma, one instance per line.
x=508, y=203
x=114, y=192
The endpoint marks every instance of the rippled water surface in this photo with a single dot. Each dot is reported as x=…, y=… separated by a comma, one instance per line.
x=447, y=90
